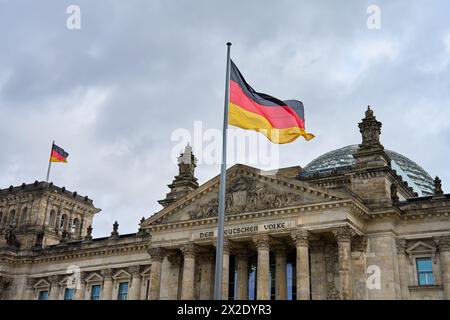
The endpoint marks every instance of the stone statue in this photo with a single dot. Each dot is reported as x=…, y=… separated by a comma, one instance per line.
x=10, y=236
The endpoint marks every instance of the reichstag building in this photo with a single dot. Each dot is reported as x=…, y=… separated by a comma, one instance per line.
x=360, y=222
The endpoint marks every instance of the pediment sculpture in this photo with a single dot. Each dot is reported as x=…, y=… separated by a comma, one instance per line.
x=246, y=195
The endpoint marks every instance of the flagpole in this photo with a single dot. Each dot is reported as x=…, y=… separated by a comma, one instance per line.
x=50, y=162
x=223, y=182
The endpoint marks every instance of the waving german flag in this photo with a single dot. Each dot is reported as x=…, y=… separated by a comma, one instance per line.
x=280, y=121
x=58, y=154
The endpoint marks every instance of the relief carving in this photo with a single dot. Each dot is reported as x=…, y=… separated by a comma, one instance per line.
x=246, y=195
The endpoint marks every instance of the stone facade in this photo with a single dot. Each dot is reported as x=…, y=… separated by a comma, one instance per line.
x=354, y=232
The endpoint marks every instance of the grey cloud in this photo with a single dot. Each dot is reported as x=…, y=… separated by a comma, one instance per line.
x=113, y=92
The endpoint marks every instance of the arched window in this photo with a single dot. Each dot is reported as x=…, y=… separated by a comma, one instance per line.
x=63, y=223
x=24, y=216
x=12, y=217
x=75, y=226
x=52, y=218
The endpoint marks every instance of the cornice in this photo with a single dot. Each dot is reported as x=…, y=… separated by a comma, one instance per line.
x=68, y=253
x=355, y=208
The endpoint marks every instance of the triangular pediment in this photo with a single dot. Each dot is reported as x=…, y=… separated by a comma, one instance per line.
x=248, y=190
x=122, y=274
x=420, y=247
x=42, y=284
x=93, y=277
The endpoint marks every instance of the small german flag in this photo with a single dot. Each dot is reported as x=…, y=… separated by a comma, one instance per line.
x=280, y=121
x=58, y=154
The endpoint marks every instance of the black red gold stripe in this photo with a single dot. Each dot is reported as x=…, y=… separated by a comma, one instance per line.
x=280, y=121
x=58, y=154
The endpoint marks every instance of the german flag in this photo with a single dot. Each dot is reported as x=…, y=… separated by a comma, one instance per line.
x=58, y=154
x=280, y=121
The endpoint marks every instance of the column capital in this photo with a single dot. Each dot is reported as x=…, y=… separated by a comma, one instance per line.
x=174, y=259
x=30, y=283
x=227, y=246
x=359, y=243
x=343, y=234
x=107, y=273
x=83, y=276
x=262, y=241
x=4, y=282
x=189, y=250
x=134, y=270
x=400, y=245
x=157, y=254
x=53, y=279
x=443, y=243
x=300, y=237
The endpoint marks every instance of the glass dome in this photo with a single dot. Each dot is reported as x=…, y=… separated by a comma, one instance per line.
x=410, y=171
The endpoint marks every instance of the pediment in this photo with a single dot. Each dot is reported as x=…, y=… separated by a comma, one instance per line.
x=420, y=247
x=121, y=275
x=42, y=284
x=94, y=277
x=146, y=271
x=248, y=190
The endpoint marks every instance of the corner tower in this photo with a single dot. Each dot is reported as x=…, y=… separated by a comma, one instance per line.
x=41, y=214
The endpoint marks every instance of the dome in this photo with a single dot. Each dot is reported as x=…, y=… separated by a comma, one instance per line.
x=410, y=171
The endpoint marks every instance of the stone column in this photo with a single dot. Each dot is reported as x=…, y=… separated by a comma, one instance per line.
x=206, y=276
x=242, y=274
x=54, y=288
x=300, y=238
x=188, y=284
x=135, y=289
x=107, y=289
x=359, y=267
x=343, y=237
x=29, y=287
x=262, y=269
x=403, y=267
x=174, y=277
x=280, y=273
x=157, y=256
x=318, y=269
x=80, y=287
x=444, y=257
x=226, y=269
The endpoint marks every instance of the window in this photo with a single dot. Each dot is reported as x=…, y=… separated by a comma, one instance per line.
x=63, y=222
x=43, y=295
x=75, y=226
x=424, y=271
x=51, y=218
x=24, y=216
x=123, y=291
x=1, y=216
x=95, y=292
x=12, y=217
x=68, y=294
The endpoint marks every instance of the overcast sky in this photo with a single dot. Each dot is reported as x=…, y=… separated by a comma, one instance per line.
x=113, y=92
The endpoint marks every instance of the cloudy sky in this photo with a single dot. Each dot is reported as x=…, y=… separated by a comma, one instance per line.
x=113, y=92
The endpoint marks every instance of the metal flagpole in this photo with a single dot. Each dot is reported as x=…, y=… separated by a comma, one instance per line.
x=50, y=162
x=223, y=182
